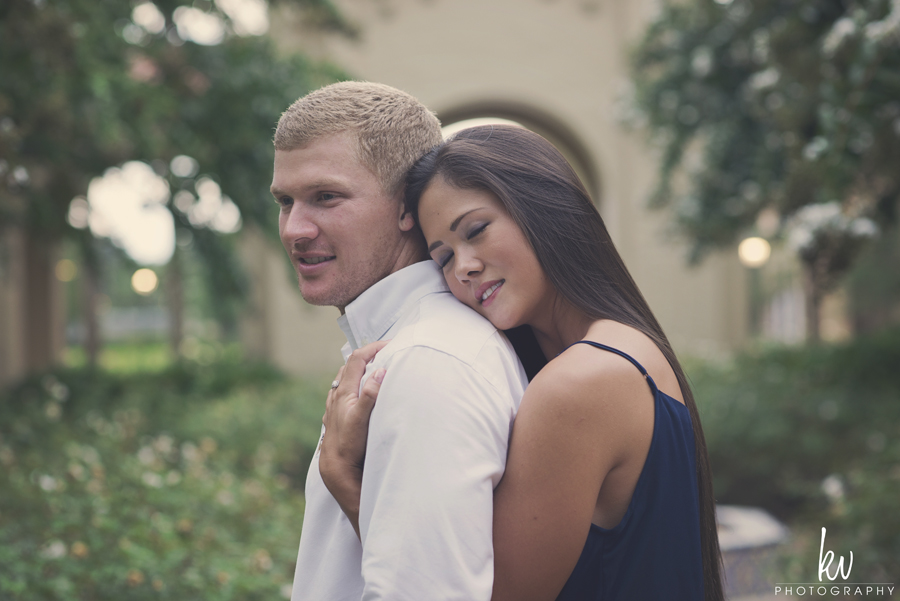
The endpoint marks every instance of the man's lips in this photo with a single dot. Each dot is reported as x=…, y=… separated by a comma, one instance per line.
x=487, y=290
x=314, y=260
x=311, y=265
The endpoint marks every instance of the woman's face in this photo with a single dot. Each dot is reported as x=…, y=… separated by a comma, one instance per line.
x=486, y=259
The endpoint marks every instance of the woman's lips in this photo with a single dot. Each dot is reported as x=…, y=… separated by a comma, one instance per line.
x=490, y=292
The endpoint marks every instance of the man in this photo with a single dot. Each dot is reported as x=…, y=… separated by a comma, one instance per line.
x=438, y=435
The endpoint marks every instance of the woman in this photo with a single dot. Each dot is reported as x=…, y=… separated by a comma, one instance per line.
x=607, y=492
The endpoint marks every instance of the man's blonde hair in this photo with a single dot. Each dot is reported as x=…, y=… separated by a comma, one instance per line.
x=392, y=129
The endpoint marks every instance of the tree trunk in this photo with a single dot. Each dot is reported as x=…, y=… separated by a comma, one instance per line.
x=43, y=342
x=91, y=294
x=813, y=292
x=175, y=302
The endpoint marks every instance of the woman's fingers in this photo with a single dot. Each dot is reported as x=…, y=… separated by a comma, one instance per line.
x=346, y=384
x=369, y=393
x=356, y=365
x=331, y=394
x=368, y=352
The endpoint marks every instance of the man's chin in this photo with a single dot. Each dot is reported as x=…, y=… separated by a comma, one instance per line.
x=324, y=298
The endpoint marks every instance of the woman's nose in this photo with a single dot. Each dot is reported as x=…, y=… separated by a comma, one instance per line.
x=467, y=266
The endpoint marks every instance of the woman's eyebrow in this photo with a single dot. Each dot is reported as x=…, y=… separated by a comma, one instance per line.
x=456, y=221
x=453, y=227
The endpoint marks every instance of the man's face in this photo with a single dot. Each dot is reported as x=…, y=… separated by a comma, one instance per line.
x=340, y=228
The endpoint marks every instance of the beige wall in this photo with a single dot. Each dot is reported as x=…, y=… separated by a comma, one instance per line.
x=558, y=66
x=279, y=326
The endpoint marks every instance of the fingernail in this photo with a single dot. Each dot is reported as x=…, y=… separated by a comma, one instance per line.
x=379, y=375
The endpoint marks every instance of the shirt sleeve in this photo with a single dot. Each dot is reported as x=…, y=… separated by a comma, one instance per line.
x=436, y=449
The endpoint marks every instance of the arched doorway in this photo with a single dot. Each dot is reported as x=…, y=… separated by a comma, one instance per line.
x=540, y=122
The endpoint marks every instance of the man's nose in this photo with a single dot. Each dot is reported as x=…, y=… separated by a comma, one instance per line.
x=299, y=225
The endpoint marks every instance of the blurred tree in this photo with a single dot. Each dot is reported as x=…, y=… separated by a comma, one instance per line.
x=87, y=85
x=770, y=107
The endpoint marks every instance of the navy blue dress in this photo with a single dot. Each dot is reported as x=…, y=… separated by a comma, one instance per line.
x=654, y=552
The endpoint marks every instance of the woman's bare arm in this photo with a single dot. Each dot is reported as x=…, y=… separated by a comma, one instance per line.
x=577, y=422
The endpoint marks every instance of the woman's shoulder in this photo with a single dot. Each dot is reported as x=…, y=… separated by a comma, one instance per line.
x=584, y=380
x=585, y=373
x=640, y=347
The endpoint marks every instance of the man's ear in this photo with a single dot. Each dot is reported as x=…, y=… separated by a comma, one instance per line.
x=407, y=222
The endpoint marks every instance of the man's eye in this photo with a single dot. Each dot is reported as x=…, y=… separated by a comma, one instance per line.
x=326, y=196
x=285, y=201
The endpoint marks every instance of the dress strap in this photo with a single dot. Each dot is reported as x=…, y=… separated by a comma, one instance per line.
x=623, y=355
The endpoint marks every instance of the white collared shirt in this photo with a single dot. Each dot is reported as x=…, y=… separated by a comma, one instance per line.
x=436, y=449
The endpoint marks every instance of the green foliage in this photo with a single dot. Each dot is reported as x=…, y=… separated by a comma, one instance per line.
x=813, y=435
x=784, y=103
x=84, y=89
x=874, y=284
x=181, y=484
x=125, y=357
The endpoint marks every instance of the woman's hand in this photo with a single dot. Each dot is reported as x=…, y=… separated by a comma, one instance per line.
x=346, y=420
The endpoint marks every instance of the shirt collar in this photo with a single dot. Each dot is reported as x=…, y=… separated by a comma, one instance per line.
x=369, y=317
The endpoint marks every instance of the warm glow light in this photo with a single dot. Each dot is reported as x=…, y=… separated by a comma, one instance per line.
x=66, y=270
x=144, y=281
x=754, y=252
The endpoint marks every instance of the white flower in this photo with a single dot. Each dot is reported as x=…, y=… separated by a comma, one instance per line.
x=889, y=26
x=77, y=471
x=815, y=148
x=833, y=487
x=54, y=550
x=764, y=79
x=800, y=238
x=841, y=30
x=702, y=61
x=191, y=453
x=163, y=444
x=862, y=227
x=152, y=479
x=48, y=483
x=146, y=455
x=90, y=455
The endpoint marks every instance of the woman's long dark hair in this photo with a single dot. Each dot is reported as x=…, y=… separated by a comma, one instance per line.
x=545, y=197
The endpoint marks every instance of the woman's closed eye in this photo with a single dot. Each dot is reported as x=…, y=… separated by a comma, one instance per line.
x=444, y=259
x=476, y=230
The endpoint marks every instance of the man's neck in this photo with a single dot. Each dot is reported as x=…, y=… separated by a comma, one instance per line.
x=401, y=263
x=411, y=250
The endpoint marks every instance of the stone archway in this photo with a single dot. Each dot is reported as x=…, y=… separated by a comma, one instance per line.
x=555, y=130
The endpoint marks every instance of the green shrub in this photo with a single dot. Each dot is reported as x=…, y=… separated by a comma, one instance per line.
x=812, y=434
x=184, y=484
